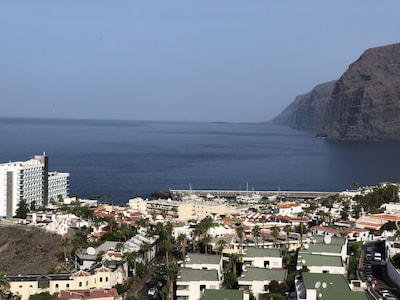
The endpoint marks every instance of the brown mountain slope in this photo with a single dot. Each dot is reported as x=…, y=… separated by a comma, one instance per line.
x=365, y=102
x=26, y=250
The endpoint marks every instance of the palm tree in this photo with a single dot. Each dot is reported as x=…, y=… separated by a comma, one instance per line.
x=171, y=271
x=206, y=240
x=221, y=245
x=234, y=258
x=145, y=248
x=196, y=234
x=131, y=258
x=263, y=220
x=182, y=239
x=166, y=247
x=301, y=215
x=288, y=230
x=142, y=222
x=256, y=231
x=119, y=246
x=275, y=233
x=240, y=234
x=4, y=284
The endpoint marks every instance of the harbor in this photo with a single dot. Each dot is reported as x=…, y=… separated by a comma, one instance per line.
x=179, y=195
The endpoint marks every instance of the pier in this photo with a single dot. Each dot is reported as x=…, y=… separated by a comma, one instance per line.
x=287, y=195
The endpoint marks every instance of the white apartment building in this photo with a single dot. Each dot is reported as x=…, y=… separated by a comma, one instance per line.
x=29, y=181
x=58, y=185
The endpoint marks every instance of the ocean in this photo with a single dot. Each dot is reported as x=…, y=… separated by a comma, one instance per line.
x=126, y=159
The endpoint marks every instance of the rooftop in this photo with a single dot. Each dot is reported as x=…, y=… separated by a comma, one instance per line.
x=222, y=294
x=261, y=252
x=309, y=260
x=199, y=258
x=187, y=274
x=263, y=274
x=331, y=286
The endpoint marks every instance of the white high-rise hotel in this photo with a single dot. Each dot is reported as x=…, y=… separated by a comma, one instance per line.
x=30, y=181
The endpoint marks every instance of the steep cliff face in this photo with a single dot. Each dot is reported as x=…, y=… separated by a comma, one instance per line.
x=365, y=102
x=307, y=111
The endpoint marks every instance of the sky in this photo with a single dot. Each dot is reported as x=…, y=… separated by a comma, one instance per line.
x=179, y=60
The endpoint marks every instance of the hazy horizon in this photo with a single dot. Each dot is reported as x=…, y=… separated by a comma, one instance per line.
x=208, y=61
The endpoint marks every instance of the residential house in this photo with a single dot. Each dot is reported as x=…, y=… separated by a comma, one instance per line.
x=191, y=283
x=256, y=280
x=262, y=258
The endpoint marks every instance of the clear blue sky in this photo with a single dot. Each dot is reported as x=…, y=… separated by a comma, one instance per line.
x=205, y=60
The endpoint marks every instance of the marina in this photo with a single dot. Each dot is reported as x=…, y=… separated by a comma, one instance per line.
x=250, y=196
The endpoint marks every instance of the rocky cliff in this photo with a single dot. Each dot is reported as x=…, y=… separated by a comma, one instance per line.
x=307, y=111
x=365, y=102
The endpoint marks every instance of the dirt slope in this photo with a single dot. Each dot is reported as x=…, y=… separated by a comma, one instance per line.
x=26, y=250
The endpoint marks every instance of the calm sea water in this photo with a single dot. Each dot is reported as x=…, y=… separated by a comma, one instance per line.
x=134, y=158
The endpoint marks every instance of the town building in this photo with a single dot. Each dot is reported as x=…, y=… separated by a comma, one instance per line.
x=256, y=280
x=191, y=283
x=183, y=211
x=29, y=181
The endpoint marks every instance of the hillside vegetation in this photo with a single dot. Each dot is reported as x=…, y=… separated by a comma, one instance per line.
x=25, y=250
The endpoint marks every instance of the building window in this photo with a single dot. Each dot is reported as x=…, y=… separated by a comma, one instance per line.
x=101, y=279
x=43, y=283
x=106, y=279
x=56, y=285
x=80, y=283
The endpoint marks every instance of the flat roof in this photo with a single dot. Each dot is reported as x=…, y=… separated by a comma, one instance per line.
x=319, y=260
x=331, y=286
x=199, y=258
x=187, y=274
x=261, y=252
x=222, y=294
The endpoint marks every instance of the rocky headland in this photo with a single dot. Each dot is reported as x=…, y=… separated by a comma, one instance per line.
x=364, y=104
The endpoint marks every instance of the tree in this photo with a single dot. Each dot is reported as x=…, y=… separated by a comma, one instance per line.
x=142, y=223
x=240, y=234
x=301, y=215
x=22, y=209
x=145, y=248
x=182, y=239
x=256, y=231
x=389, y=226
x=275, y=234
x=234, y=258
x=230, y=280
x=4, y=284
x=263, y=220
x=171, y=271
x=221, y=245
x=205, y=241
x=131, y=259
x=119, y=246
x=288, y=229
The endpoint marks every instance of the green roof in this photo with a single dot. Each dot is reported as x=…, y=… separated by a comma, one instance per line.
x=187, y=274
x=331, y=286
x=256, y=274
x=261, y=252
x=198, y=258
x=335, y=246
x=319, y=260
x=222, y=294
